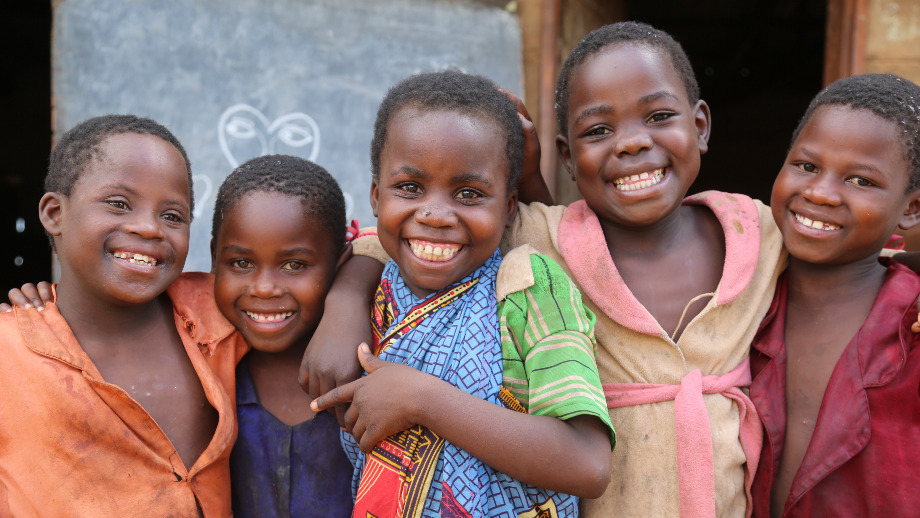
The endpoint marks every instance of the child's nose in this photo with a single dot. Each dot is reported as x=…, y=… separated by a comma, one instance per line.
x=631, y=140
x=436, y=215
x=822, y=189
x=145, y=225
x=265, y=286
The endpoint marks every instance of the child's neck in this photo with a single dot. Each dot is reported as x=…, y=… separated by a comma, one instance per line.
x=817, y=286
x=275, y=378
x=94, y=320
x=671, y=265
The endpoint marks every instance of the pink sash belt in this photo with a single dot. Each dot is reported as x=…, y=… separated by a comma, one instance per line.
x=695, y=477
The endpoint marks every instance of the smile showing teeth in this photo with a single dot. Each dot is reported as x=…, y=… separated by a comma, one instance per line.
x=639, y=181
x=136, y=258
x=438, y=252
x=268, y=317
x=819, y=225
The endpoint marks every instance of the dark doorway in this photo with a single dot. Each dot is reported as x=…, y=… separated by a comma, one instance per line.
x=25, y=141
x=758, y=63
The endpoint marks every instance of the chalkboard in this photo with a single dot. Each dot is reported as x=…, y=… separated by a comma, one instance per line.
x=234, y=79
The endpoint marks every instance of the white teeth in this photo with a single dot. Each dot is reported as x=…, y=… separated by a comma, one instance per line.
x=136, y=258
x=269, y=317
x=639, y=181
x=428, y=252
x=820, y=225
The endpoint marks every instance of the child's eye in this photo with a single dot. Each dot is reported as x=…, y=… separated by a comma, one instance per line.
x=598, y=131
x=468, y=194
x=808, y=167
x=860, y=181
x=660, y=116
x=293, y=265
x=242, y=264
x=174, y=217
x=118, y=204
x=410, y=188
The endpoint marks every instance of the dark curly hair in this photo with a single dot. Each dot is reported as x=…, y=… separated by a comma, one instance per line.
x=452, y=90
x=316, y=189
x=621, y=33
x=888, y=96
x=83, y=144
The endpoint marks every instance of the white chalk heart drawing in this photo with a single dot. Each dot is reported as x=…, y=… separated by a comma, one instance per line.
x=245, y=132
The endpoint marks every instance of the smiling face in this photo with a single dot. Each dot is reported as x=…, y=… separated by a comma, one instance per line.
x=633, y=141
x=273, y=266
x=842, y=190
x=122, y=233
x=441, y=199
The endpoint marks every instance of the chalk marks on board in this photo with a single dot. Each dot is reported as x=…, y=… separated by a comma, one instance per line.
x=245, y=132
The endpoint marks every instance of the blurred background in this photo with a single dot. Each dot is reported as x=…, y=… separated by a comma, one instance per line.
x=237, y=78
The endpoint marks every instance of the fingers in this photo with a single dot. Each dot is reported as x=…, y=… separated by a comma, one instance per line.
x=334, y=397
x=915, y=327
x=20, y=299
x=368, y=360
x=5, y=308
x=45, y=294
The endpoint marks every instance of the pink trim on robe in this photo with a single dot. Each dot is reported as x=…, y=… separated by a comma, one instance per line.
x=582, y=245
x=695, y=475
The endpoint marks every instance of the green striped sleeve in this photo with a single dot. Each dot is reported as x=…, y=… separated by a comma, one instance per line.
x=548, y=347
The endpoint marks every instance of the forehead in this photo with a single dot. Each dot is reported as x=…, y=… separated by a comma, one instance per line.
x=267, y=221
x=855, y=132
x=625, y=68
x=450, y=139
x=132, y=158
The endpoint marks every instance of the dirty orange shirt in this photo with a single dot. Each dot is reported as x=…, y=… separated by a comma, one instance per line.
x=72, y=444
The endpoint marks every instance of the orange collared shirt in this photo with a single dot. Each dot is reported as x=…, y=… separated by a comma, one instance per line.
x=72, y=444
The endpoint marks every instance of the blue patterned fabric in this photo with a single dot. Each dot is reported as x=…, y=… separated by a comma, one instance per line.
x=460, y=344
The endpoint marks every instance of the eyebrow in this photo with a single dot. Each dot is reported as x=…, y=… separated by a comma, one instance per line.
x=606, y=108
x=237, y=249
x=855, y=165
x=414, y=172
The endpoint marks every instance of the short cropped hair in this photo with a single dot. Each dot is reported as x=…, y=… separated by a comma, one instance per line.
x=452, y=90
x=83, y=143
x=621, y=33
x=317, y=190
x=888, y=96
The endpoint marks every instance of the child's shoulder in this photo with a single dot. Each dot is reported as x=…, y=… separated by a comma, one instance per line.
x=192, y=297
x=525, y=268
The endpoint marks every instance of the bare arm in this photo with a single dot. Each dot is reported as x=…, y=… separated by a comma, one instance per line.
x=329, y=360
x=574, y=455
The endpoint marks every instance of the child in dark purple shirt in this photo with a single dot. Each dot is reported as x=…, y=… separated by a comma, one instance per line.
x=278, y=238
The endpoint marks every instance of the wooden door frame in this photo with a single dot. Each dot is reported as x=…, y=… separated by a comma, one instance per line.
x=845, y=42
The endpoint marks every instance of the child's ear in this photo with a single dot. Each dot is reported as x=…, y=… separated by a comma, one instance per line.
x=911, y=214
x=565, y=154
x=375, y=195
x=512, y=208
x=703, y=121
x=213, y=256
x=344, y=256
x=50, y=212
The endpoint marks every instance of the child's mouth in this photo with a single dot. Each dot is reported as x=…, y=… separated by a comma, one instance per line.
x=135, y=258
x=819, y=225
x=639, y=181
x=437, y=252
x=269, y=318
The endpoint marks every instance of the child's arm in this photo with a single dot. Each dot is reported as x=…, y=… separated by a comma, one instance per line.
x=531, y=188
x=329, y=360
x=30, y=295
x=571, y=456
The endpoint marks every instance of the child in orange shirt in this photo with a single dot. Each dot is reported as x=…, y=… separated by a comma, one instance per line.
x=115, y=397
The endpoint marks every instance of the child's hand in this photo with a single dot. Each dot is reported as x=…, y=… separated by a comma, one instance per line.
x=29, y=296
x=382, y=403
x=531, y=188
